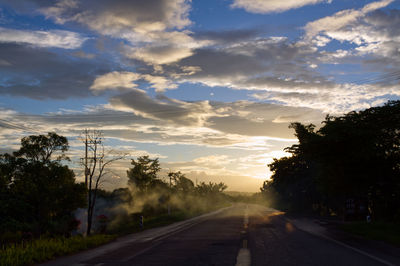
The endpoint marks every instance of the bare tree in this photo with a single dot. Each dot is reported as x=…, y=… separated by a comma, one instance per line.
x=96, y=161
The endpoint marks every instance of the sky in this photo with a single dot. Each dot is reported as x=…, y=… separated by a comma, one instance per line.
x=207, y=86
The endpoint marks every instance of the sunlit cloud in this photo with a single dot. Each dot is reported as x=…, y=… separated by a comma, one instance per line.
x=53, y=38
x=269, y=6
x=331, y=24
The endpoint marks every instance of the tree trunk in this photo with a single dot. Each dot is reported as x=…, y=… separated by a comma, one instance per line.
x=89, y=213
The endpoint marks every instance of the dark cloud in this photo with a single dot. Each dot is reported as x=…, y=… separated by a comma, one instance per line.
x=216, y=63
x=42, y=74
x=260, y=119
x=258, y=64
x=384, y=28
x=227, y=36
x=242, y=118
x=110, y=17
x=163, y=108
x=242, y=126
x=387, y=20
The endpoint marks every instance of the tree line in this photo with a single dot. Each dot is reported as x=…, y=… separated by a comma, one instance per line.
x=349, y=167
x=39, y=194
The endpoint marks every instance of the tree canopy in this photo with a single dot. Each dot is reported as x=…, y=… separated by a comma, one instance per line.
x=143, y=174
x=38, y=193
x=355, y=156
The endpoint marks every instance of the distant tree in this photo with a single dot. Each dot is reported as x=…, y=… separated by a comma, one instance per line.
x=211, y=188
x=143, y=175
x=181, y=183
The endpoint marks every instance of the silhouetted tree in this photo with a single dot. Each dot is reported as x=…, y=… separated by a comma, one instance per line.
x=355, y=156
x=95, y=162
x=181, y=183
x=143, y=175
x=38, y=193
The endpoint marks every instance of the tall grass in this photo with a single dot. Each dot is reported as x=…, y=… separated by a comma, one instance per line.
x=40, y=250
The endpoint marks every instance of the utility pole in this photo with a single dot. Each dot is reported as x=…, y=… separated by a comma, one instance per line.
x=169, y=206
x=92, y=140
x=86, y=157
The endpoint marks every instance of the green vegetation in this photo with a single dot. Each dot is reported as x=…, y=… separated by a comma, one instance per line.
x=40, y=250
x=350, y=167
x=388, y=232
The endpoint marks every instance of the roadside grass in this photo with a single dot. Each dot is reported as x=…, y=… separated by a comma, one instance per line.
x=44, y=249
x=387, y=232
x=40, y=250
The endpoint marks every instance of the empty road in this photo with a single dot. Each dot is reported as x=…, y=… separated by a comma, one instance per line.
x=238, y=235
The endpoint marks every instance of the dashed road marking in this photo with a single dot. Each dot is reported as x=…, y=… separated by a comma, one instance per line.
x=244, y=257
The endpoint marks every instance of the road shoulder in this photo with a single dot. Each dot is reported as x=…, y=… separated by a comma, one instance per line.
x=378, y=250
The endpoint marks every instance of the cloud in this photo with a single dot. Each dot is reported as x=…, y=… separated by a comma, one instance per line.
x=123, y=17
x=125, y=80
x=84, y=55
x=159, y=83
x=53, y=38
x=165, y=109
x=115, y=80
x=154, y=28
x=231, y=65
x=259, y=119
x=374, y=36
x=227, y=36
x=158, y=54
x=341, y=19
x=41, y=74
x=287, y=72
x=270, y=6
x=338, y=100
x=164, y=47
x=241, y=118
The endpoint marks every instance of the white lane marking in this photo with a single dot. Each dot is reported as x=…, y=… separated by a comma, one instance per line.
x=243, y=258
x=246, y=218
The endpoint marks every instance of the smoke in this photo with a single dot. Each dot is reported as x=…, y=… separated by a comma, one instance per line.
x=81, y=215
x=123, y=207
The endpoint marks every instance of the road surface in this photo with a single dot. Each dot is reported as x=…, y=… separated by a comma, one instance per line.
x=238, y=235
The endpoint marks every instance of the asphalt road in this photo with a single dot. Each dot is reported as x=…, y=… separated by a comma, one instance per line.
x=239, y=235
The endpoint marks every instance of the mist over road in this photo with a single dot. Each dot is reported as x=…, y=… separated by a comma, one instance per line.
x=238, y=235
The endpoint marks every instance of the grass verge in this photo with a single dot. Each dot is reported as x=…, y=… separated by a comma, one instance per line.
x=40, y=250
x=387, y=232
